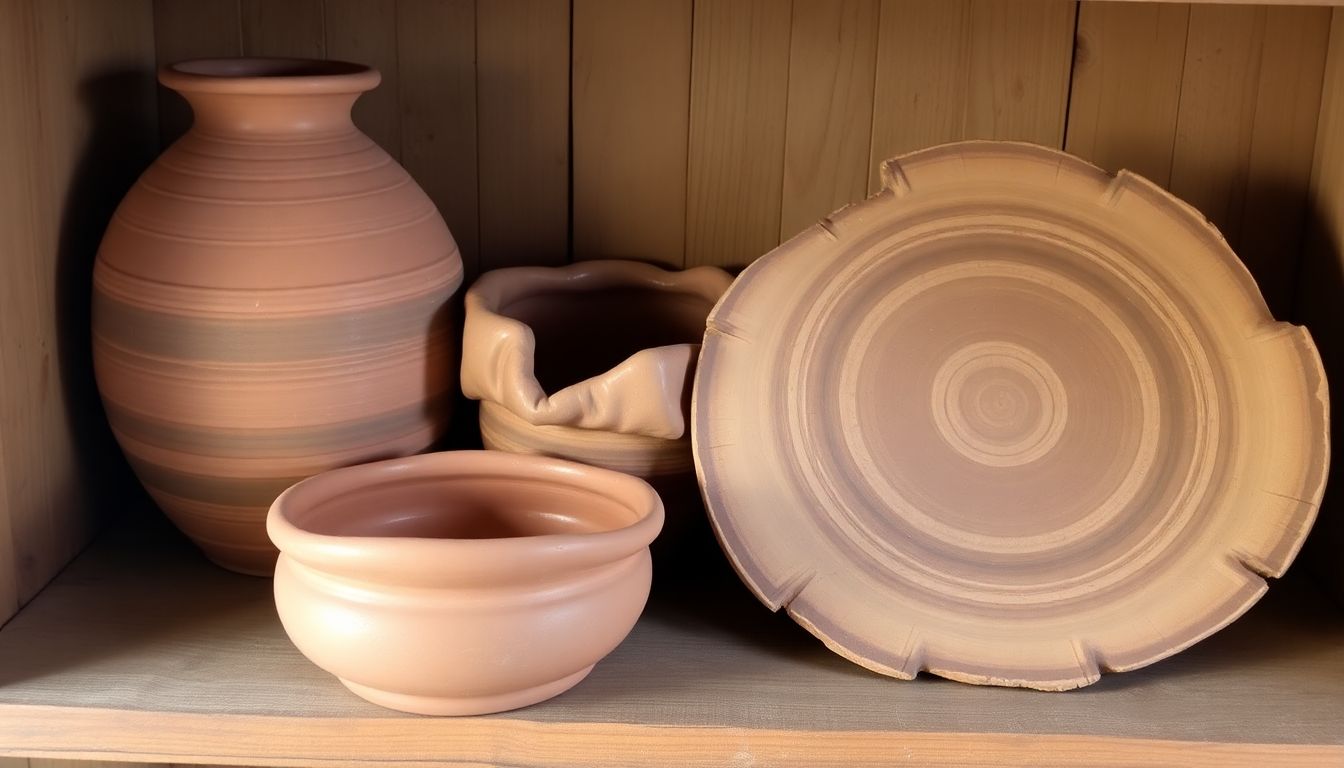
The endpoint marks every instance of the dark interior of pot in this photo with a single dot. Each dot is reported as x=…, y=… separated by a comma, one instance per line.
x=581, y=334
x=477, y=507
x=259, y=67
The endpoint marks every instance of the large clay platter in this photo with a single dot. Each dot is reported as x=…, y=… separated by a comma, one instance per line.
x=1012, y=420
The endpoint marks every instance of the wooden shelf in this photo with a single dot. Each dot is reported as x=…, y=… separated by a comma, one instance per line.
x=142, y=651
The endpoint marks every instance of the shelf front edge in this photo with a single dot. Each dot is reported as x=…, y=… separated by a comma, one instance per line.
x=122, y=735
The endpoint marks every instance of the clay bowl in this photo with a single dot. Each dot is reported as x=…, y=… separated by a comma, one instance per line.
x=466, y=582
x=593, y=362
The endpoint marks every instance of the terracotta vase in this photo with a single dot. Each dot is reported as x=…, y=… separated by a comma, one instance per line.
x=593, y=362
x=463, y=582
x=270, y=301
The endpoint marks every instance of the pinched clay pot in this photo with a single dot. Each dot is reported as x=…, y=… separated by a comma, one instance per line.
x=270, y=301
x=465, y=582
x=593, y=362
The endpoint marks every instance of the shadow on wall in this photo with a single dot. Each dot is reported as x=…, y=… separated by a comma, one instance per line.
x=1320, y=307
x=122, y=141
x=1270, y=236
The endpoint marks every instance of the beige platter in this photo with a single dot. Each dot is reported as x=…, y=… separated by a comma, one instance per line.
x=1012, y=420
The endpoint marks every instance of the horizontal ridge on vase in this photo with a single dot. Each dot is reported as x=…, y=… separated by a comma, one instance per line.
x=271, y=300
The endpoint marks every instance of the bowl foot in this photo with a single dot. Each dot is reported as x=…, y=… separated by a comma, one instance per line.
x=472, y=705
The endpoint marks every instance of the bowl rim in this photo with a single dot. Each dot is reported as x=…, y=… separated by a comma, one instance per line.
x=268, y=75
x=485, y=562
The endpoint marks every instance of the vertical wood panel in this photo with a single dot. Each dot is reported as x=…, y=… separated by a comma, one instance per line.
x=1213, y=133
x=365, y=31
x=832, y=60
x=23, y=258
x=631, y=84
x=739, y=90
x=1127, y=85
x=970, y=69
x=1245, y=129
x=1283, y=136
x=77, y=78
x=920, y=91
x=436, y=89
x=1021, y=54
x=1320, y=289
x=284, y=28
x=191, y=29
x=522, y=103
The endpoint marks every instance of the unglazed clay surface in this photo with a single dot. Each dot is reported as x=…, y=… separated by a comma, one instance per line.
x=1012, y=420
x=592, y=362
x=466, y=582
x=270, y=301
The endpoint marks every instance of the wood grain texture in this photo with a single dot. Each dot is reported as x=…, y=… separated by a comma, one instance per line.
x=920, y=90
x=290, y=28
x=1245, y=166
x=436, y=62
x=970, y=69
x=1126, y=86
x=832, y=60
x=522, y=118
x=739, y=94
x=1320, y=285
x=191, y=29
x=48, y=762
x=1019, y=70
x=365, y=31
x=76, y=79
x=631, y=86
x=171, y=659
x=18, y=240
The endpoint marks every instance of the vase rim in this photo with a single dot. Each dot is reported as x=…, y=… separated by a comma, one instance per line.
x=263, y=76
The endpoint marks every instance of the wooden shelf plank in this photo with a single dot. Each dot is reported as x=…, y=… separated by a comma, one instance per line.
x=143, y=651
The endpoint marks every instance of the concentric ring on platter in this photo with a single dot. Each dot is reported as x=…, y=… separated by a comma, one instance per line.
x=1012, y=420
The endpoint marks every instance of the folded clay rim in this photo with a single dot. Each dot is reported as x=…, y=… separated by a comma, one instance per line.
x=498, y=352
x=469, y=562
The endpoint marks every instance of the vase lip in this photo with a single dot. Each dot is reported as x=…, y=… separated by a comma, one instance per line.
x=268, y=76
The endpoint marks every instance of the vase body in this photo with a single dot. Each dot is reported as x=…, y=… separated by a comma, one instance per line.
x=270, y=301
x=593, y=363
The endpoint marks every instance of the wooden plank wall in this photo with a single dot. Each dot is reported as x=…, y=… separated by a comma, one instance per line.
x=76, y=128
x=705, y=131
x=679, y=131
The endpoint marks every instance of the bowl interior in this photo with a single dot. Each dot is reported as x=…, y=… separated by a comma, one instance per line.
x=476, y=507
x=259, y=67
x=581, y=334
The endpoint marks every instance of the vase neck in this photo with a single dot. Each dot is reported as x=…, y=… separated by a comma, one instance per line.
x=277, y=116
x=270, y=98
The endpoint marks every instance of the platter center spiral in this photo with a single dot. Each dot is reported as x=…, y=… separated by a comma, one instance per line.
x=999, y=404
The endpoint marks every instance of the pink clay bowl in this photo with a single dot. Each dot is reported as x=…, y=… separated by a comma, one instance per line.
x=465, y=582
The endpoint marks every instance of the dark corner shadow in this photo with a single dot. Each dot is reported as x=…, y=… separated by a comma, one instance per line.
x=122, y=141
x=1319, y=305
x=694, y=587
x=461, y=431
